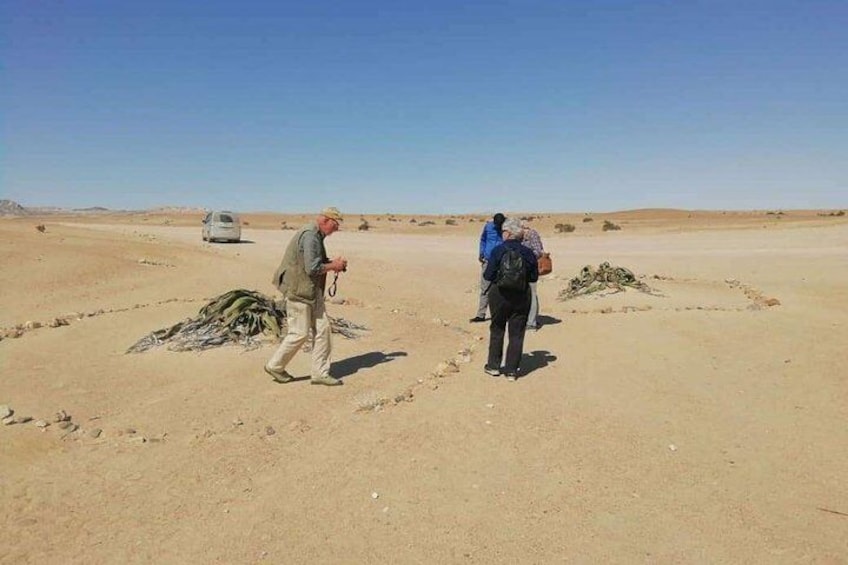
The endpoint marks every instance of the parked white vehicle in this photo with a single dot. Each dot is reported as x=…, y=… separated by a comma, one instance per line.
x=221, y=226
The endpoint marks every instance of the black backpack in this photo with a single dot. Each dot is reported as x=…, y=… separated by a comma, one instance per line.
x=512, y=274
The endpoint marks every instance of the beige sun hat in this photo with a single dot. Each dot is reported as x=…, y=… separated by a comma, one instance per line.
x=332, y=213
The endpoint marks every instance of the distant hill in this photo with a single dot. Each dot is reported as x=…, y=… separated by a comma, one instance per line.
x=10, y=208
x=92, y=209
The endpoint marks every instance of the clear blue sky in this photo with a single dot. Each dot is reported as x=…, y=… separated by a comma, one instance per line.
x=436, y=106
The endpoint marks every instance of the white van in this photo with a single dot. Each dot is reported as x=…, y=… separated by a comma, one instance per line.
x=222, y=226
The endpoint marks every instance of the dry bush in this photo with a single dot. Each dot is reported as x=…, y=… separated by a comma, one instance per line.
x=588, y=219
x=41, y=228
x=364, y=226
x=450, y=222
x=413, y=221
x=564, y=228
x=427, y=223
x=609, y=226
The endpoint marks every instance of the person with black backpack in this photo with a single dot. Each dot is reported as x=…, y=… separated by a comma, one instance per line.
x=511, y=269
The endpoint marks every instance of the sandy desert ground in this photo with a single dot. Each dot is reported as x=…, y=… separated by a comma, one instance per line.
x=706, y=425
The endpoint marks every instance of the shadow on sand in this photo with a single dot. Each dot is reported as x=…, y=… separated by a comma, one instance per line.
x=543, y=320
x=351, y=365
x=536, y=360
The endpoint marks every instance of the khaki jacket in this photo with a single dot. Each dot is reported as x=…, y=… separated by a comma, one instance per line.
x=291, y=278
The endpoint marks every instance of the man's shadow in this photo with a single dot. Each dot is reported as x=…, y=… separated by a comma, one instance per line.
x=543, y=320
x=536, y=360
x=351, y=365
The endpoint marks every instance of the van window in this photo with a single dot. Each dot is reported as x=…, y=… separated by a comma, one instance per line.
x=225, y=218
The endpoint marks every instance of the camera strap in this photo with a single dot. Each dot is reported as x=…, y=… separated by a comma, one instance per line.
x=334, y=286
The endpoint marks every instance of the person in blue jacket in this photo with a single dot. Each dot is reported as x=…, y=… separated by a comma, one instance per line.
x=491, y=237
x=512, y=269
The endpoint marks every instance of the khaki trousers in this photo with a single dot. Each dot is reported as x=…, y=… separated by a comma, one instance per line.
x=483, y=303
x=300, y=318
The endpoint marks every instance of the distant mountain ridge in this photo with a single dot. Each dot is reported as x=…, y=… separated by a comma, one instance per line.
x=12, y=208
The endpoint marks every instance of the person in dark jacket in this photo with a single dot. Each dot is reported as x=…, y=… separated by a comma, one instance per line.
x=490, y=238
x=509, y=306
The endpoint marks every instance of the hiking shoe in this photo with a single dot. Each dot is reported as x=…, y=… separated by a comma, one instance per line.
x=533, y=328
x=493, y=371
x=326, y=380
x=511, y=377
x=280, y=377
x=477, y=319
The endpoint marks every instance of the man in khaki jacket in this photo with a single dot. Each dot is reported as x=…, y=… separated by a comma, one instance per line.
x=302, y=278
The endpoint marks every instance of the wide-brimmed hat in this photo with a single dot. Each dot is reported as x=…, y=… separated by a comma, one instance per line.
x=332, y=213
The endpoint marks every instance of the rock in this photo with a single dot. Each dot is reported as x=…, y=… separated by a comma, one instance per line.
x=30, y=325
x=375, y=495
x=463, y=356
x=299, y=426
x=137, y=440
x=95, y=433
x=269, y=431
x=237, y=422
x=405, y=396
x=772, y=302
x=5, y=411
x=41, y=424
x=672, y=447
x=64, y=424
x=61, y=416
x=9, y=420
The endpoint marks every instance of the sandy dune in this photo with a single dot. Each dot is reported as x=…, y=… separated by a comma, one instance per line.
x=697, y=425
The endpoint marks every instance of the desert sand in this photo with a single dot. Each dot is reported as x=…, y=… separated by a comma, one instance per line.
x=704, y=424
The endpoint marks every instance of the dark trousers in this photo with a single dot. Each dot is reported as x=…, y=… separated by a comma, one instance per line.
x=508, y=310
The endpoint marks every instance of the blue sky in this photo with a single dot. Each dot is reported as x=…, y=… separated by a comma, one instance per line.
x=425, y=107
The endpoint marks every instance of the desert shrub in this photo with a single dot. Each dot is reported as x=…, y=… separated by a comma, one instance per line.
x=450, y=222
x=413, y=221
x=564, y=228
x=588, y=219
x=41, y=228
x=245, y=223
x=840, y=213
x=427, y=223
x=609, y=226
x=364, y=226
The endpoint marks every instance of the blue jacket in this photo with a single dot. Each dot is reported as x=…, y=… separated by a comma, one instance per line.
x=489, y=239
